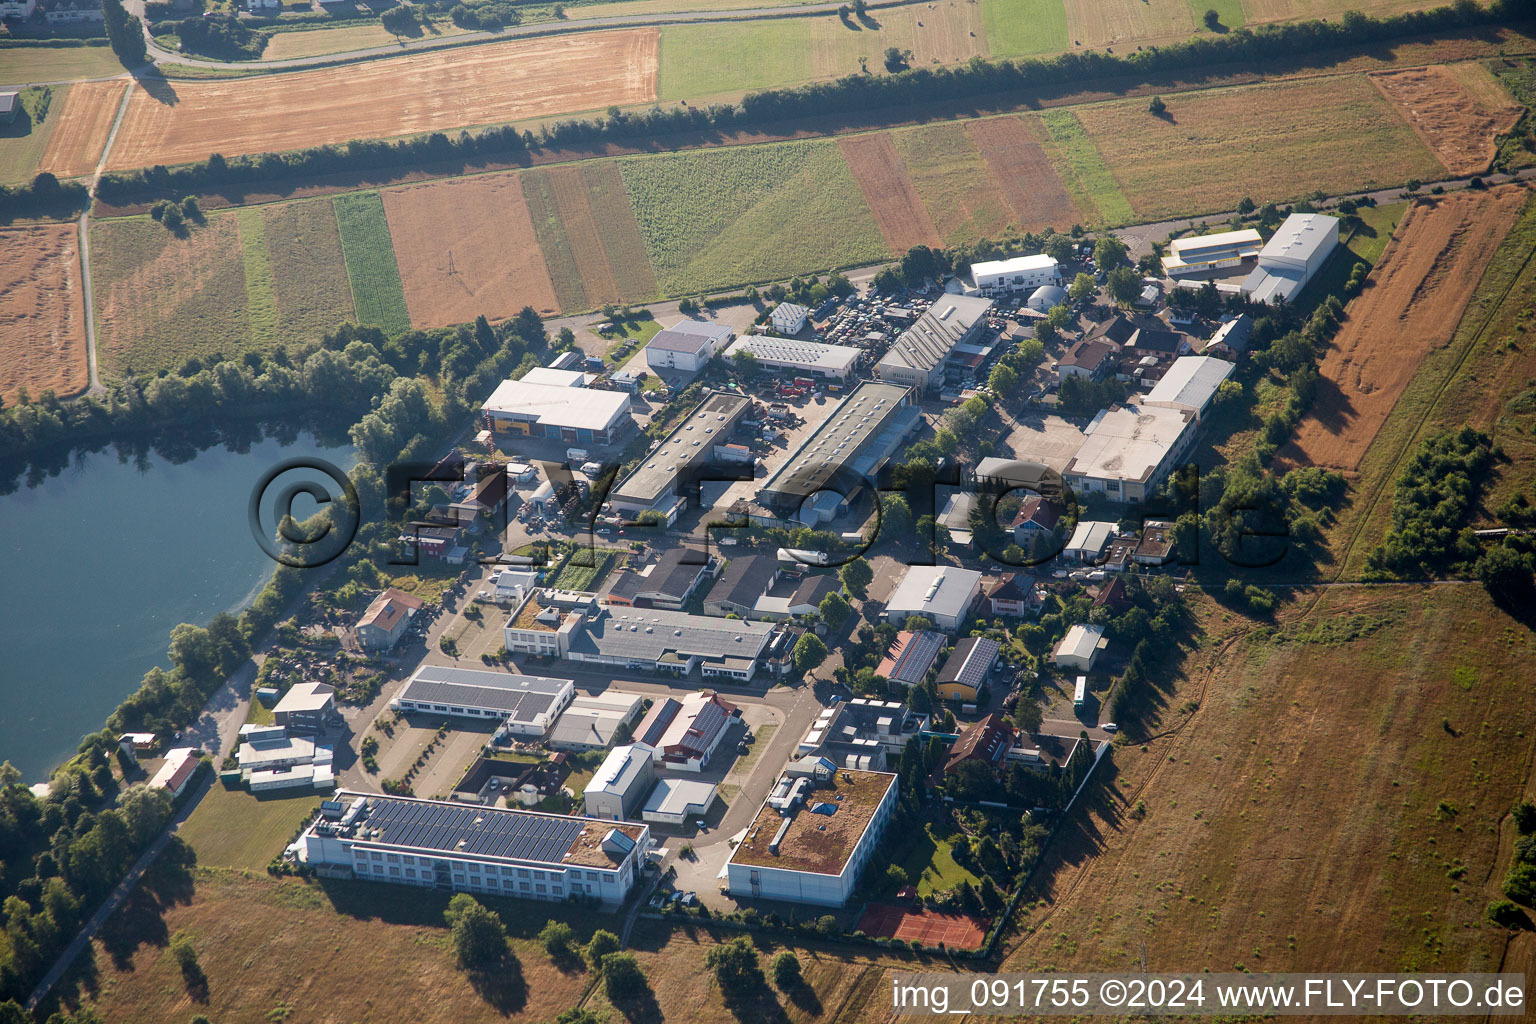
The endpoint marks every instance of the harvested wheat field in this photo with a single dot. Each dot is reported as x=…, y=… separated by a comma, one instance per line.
x=1098, y=22
x=42, y=331
x=1024, y=173
x=1457, y=127
x=75, y=147
x=466, y=247
x=1410, y=307
x=440, y=91
x=587, y=232
x=888, y=189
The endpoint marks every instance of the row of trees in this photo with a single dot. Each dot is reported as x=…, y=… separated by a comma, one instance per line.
x=853, y=93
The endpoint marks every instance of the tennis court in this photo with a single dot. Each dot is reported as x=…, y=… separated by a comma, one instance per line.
x=955, y=931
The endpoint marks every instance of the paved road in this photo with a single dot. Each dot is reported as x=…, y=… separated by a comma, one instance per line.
x=160, y=55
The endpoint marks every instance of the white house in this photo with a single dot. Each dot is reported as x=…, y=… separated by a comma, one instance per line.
x=943, y=594
x=1019, y=274
x=179, y=767
x=1129, y=450
x=687, y=345
x=789, y=318
x=20, y=9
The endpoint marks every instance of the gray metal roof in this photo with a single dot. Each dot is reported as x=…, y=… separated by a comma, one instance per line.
x=691, y=442
x=687, y=336
x=648, y=634
x=862, y=419
x=520, y=697
x=927, y=343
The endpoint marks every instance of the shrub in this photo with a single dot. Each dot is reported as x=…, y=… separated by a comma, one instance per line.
x=556, y=937
x=1520, y=884
x=601, y=944
x=622, y=977
x=735, y=965
x=786, y=970
x=479, y=937
x=1505, y=914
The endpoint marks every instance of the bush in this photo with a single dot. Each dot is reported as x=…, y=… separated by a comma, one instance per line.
x=479, y=937
x=1520, y=884
x=622, y=977
x=786, y=970
x=735, y=965
x=1505, y=914
x=1433, y=496
x=601, y=944
x=556, y=938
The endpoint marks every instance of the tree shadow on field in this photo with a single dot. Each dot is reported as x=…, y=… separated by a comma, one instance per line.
x=159, y=88
x=141, y=918
x=503, y=988
x=805, y=998
x=759, y=1006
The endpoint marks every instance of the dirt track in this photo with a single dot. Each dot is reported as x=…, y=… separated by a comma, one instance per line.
x=84, y=124
x=497, y=266
x=888, y=188
x=42, y=331
x=1458, y=129
x=185, y=121
x=1410, y=307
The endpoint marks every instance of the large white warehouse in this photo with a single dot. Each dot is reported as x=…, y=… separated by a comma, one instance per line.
x=1292, y=255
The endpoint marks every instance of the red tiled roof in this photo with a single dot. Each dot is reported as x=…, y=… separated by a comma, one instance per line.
x=987, y=740
x=388, y=608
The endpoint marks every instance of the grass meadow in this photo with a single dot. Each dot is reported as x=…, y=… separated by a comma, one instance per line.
x=232, y=828
x=311, y=288
x=24, y=141
x=1083, y=171
x=258, y=277
x=953, y=181
x=721, y=217
x=378, y=297
x=1025, y=28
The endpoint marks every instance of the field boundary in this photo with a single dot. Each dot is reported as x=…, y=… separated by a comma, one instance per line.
x=1086, y=176
x=378, y=297
x=258, y=276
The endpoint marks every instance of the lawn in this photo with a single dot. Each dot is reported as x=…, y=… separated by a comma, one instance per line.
x=377, y=295
x=41, y=62
x=1230, y=13
x=315, y=42
x=232, y=828
x=930, y=864
x=585, y=569
x=161, y=299
x=760, y=737
x=1021, y=28
x=23, y=141
x=635, y=333
x=1297, y=820
x=1082, y=170
x=954, y=182
x=716, y=218
x=1377, y=223
x=311, y=288
x=1271, y=142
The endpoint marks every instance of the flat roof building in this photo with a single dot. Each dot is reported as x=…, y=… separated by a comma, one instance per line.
x=1019, y=274
x=862, y=733
x=943, y=594
x=307, y=707
x=591, y=721
x=810, y=843
x=843, y=453
x=621, y=782
x=525, y=705
x=1211, y=252
x=687, y=345
x=1293, y=254
x=1129, y=450
x=804, y=358
x=677, y=801
x=916, y=358
x=1190, y=383
x=521, y=408
x=466, y=847
x=668, y=474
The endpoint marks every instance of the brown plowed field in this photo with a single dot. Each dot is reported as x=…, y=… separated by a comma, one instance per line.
x=498, y=267
x=1458, y=129
x=1023, y=171
x=459, y=88
x=84, y=124
x=42, y=329
x=1410, y=307
x=888, y=188
x=627, y=259
x=585, y=236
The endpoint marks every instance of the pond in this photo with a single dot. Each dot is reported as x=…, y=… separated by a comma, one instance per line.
x=104, y=558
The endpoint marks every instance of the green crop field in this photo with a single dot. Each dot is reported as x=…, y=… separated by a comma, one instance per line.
x=1082, y=169
x=721, y=217
x=24, y=140
x=310, y=285
x=954, y=182
x=1229, y=12
x=1278, y=141
x=710, y=59
x=42, y=62
x=1019, y=28
x=554, y=242
x=161, y=299
x=258, y=277
x=378, y=297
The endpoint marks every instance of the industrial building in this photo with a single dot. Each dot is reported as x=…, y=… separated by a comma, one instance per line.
x=1190, y=383
x=862, y=733
x=669, y=473
x=621, y=782
x=1046, y=298
x=1129, y=450
x=917, y=357
x=684, y=734
x=943, y=594
x=996, y=278
x=1291, y=257
x=464, y=847
x=802, y=358
x=1211, y=252
x=307, y=707
x=762, y=586
x=789, y=317
x=813, y=836
x=271, y=758
x=1080, y=648
x=842, y=454
x=687, y=345
x=678, y=801
x=526, y=706
x=591, y=721
x=667, y=582
x=965, y=670
x=569, y=413
x=1088, y=541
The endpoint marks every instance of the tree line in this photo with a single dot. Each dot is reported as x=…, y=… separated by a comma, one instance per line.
x=856, y=93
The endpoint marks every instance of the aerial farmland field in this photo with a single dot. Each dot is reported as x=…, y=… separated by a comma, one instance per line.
x=42, y=323
x=434, y=91
x=466, y=247
x=720, y=217
x=1100, y=23
x=954, y=181
x=84, y=122
x=1459, y=125
x=1279, y=140
x=1030, y=185
x=161, y=299
x=309, y=284
x=588, y=235
x=1088, y=182
x=1023, y=28
x=24, y=141
x=377, y=295
x=888, y=188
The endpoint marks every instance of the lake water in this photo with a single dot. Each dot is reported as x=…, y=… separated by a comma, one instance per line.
x=102, y=561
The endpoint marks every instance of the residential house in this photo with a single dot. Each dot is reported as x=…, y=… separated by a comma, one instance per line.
x=1089, y=359
x=19, y=10
x=909, y=658
x=177, y=771
x=1113, y=597
x=987, y=742
x=1156, y=544
x=685, y=733
x=73, y=12
x=965, y=670
x=1035, y=522
x=386, y=619
x=307, y=707
x=1014, y=595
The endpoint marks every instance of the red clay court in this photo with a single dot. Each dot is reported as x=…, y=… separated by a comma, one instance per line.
x=956, y=931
